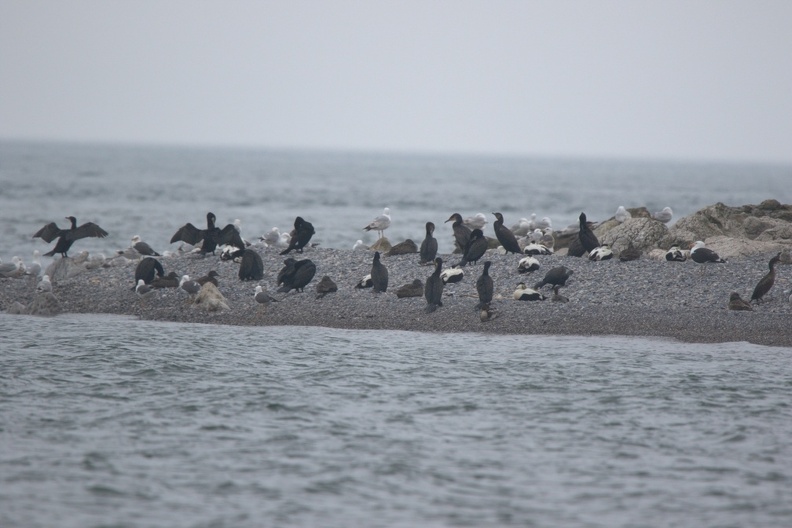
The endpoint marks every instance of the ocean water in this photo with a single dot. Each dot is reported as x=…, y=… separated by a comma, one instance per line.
x=108, y=421
x=121, y=422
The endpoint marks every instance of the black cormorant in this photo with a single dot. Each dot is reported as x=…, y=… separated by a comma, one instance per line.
x=433, y=290
x=505, y=236
x=461, y=233
x=556, y=277
x=485, y=287
x=379, y=275
x=476, y=247
x=146, y=269
x=66, y=237
x=302, y=271
x=300, y=236
x=586, y=236
x=251, y=267
x=428, y=250
x=212, y=236
x=764, y=285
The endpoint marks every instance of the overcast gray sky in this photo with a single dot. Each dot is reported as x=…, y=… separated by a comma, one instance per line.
x=664, y=79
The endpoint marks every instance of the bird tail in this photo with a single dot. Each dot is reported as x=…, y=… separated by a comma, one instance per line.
x=431, y=308
x=538, y=285
x=52, y=254
x=284, y=289
x=286, y=251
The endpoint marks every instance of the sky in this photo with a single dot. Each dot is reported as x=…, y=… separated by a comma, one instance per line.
x=678, y=80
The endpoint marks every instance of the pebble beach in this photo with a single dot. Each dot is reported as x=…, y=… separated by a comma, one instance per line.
x=678, y=300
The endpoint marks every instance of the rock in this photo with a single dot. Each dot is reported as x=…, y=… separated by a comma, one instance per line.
x=44, y=304
x=382, y=245
x=403, y=248
x=64, y=268
x=643, y=232
x=16, y=308
x=210, y=299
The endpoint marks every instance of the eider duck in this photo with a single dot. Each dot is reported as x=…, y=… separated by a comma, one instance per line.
x=428, y=250
x=379, y=275
x=413, y=289
x=524, y=293
x=556, y=277
x=764, y=285
x=475, y=249
x=535, y=248
x=365, y=282
x=602, y=252
x=380, y=223
x=505, y=236
x=485, y=287
x=587, y=237
x=325, y=286
x=461, y=233
x=433, y=290
x=703, y=255
x=209, y=277
x=300, y=236
x=527, y=265
x=452, y=275
x=212, y=236
x=674, y=254
x=737, y=303
x=67, y=237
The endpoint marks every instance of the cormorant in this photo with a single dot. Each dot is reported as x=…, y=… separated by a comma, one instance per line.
x=505, y=236
x=587, y=237
x=737, y=303
x=475, y=249
x=485, y=287
x=556, y=277
x=212, y=236
x=461, y=233
x=764, y=285
x=702, y=254
x=379, y=275
x=171, y=280
x=146, y=269
x=428, y=250
x=380, y=223
x=325, y=286
x=303, y=272
x=413, y=289
x=66, y=237
x=433, y=290
x=209, y=277
x=251, y=267
x=303, y=231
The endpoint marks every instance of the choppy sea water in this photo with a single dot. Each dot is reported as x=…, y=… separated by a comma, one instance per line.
x=116, y=422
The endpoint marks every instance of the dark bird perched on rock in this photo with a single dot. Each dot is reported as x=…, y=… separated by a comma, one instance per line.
x=433, y=290
x=413, y=289
x=555, y=277
x=737, y=303
x=325, y=286
x=365, y=282
x=66, y=237
x=764, y=285
x=379, y=275
x=586, y=236
x=171, y=280
x=146, y=269
x=674, y=254
x=475, y=249
x=142, y=247
x=703, y=255
x=527, y=265
x=602, y=252
x=212, y=236
x=298, y=275
x=403, y=248
x=524, y=293
x=428, y=250
x=485, y=287
x=631, y=253
x=300, y=236
x=461, y=233
x=251, y=267
x=209, y=277
x=505, y=236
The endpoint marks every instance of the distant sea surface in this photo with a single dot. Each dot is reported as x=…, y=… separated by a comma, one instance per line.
x=110, y=421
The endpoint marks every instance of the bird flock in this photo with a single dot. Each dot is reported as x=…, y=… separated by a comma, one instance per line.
x=528, y=238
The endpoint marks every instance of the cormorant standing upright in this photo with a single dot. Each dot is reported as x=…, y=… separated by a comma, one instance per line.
x=767, y=281
x=379, y=275
x=251, y=267
x=146, y=269
x=485, y=287
x=477, y=246
x=66, y=237
x=433, y=290
x=461, y=233
x=587, y=237
x=428, y=250
x=505, y=236
x=303, y=231
x=212, y=236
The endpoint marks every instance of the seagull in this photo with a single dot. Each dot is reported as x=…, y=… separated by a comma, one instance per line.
x=263, y=298
x=271, y=237
x=143, y=289
x=622, y=214
x=477, y=221
x=380, y=223
x=35, y=266
x=13, y=269
x=190, y=286
x=44, y=285
x=544, y=223
x=359, y=245
x=663, y=216
x=522, y=227
x=142, y=247
x=703, y=255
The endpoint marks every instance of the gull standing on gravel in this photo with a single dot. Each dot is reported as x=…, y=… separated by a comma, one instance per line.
x=380, y=223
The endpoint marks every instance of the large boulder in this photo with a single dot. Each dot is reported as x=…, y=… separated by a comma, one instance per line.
x=210, y=299
x=644, y=233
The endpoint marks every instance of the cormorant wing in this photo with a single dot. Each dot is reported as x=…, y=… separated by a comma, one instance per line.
x=188, y=233
x=88, y=229
x=49, y=232
x=230, y=235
